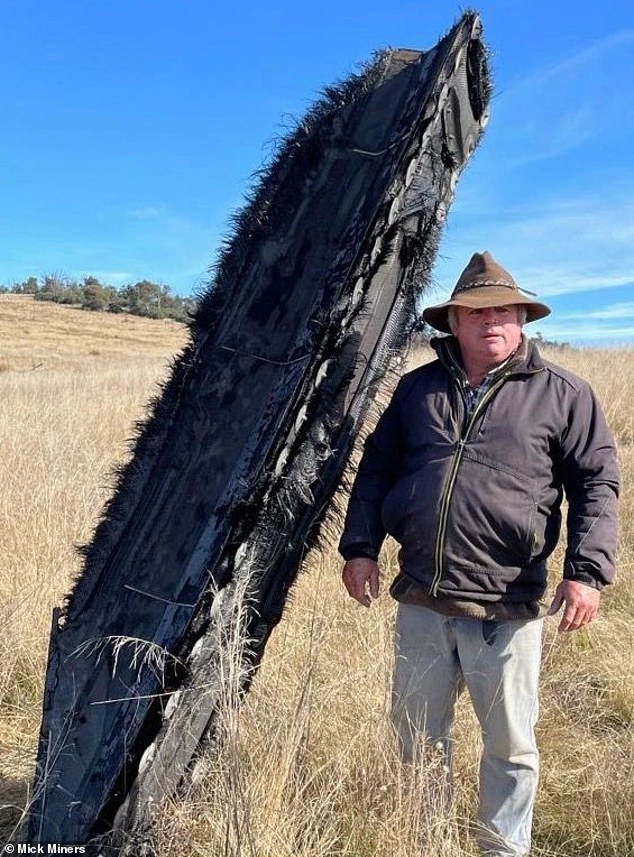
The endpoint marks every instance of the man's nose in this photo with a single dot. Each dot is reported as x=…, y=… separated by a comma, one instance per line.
x=489, y=316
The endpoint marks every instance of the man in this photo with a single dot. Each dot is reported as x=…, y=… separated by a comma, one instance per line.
x=466, y=469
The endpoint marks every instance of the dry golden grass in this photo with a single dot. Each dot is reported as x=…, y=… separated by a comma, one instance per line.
x=307, y=766
x=37, y=335
x=72, y=384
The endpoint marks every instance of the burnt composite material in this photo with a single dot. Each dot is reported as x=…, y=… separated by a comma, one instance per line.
x=234, y=470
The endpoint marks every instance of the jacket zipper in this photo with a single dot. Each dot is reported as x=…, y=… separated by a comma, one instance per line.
x=445, y=499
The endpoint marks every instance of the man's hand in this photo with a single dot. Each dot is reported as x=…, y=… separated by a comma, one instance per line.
x=361, y=579
x=582, y=604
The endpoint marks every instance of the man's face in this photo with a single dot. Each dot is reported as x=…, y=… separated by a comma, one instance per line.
x=489, y=335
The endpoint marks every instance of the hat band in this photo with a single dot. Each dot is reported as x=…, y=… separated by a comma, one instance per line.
x=476, y=285
x=513, y=286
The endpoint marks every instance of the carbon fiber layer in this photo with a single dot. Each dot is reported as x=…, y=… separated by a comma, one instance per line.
x=234, y=469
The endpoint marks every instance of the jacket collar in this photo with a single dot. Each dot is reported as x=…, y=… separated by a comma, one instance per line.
x=526, y=359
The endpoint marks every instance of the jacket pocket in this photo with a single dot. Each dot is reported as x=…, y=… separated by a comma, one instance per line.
x=410, y=510
x=492, y=521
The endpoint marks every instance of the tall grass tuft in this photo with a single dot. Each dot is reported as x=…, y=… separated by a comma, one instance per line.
x=306, y=766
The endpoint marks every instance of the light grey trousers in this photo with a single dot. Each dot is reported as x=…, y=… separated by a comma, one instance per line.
x=498, y=662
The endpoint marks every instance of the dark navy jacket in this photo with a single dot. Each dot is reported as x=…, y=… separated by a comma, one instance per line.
x=475, y=503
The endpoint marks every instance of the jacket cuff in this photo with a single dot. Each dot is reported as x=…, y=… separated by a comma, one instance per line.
x=358, y=552
x=584, y=577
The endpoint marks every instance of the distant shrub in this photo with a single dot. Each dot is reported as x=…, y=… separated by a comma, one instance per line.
x=144, y=298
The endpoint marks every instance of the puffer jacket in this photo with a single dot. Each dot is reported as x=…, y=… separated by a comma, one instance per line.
x=475, y=503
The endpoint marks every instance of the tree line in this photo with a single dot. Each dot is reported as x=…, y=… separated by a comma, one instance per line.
x=145, y=298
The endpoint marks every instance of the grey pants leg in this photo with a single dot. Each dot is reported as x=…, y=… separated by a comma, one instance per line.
x=436, y=656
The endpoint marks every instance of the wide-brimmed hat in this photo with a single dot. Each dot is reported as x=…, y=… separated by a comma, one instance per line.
x=484, y=283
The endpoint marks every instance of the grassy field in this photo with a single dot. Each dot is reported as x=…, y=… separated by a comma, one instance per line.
x=307, y=768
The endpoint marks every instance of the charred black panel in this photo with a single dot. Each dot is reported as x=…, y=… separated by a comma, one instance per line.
x=234, y=469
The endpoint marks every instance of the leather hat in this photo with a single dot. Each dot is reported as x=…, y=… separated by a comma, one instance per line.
x=484, y=283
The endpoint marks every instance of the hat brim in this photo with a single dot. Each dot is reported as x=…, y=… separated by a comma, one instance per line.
x=479, y=298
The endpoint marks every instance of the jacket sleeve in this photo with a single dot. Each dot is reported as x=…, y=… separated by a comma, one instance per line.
x=591, y=482
x=378, y=470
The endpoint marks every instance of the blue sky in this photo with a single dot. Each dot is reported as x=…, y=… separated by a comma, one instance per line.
x=130, y=131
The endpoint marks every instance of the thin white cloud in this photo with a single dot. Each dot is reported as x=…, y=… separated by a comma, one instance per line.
x=588, y=55
x=160, y=246
x=588, y=333
x=553, y=247
x=149, y=212
x=113, y=278
x=618, y=311
x=561, y=107
x=549, y=281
